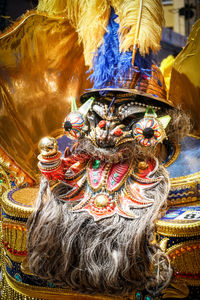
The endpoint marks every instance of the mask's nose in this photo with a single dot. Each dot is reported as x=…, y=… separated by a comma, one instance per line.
x=105, y=126
x=109, y=131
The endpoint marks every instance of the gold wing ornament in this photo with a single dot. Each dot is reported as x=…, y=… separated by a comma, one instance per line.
x=41, y=68
x=185, y=78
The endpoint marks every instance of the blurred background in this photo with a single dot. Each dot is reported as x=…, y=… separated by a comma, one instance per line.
x=180, y=15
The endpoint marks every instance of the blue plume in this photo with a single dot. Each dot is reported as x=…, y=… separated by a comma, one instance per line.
x=110, y=67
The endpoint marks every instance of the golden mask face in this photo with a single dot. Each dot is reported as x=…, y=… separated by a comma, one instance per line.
x=111, y=125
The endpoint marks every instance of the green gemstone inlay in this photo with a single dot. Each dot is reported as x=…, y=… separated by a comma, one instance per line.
x=18, y=277
x=115, y=175
x=137, y=296
x=147, y=298
x=1, y=181
x=51, y=284
x=95, y=173
x=112, y=182
x=95, y=180
x=96, y=164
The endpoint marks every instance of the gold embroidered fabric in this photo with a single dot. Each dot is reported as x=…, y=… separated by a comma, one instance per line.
x=41, y=68
x=185, y=79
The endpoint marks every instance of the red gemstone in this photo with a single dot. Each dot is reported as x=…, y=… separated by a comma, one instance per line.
x=102, y=123
x=177, y=274
x=118, y=132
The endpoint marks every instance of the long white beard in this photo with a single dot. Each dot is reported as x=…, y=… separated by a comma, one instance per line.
x=113, y=256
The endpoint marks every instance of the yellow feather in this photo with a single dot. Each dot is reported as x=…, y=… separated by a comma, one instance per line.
x=70, y=9
x=150, y=28
x=92, y=26
x=89, y=18
x=53, y=7
x=166, y=69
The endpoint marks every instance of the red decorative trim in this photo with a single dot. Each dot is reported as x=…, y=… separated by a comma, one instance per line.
x=14, y=226
x=187, y=275
x=14, y=251
x=182, y=250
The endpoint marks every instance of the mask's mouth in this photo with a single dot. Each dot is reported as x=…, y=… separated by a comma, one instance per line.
x=110, y=138
x=126, y=151
x=110, y=154
x=105, y=140
x=104, y=145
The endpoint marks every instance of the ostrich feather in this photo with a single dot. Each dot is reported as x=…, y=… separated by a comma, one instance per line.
x=111, y=68
x=140, y=22
x=92, y=26
x=150, y=22
x=67, y=8
x=89, y=18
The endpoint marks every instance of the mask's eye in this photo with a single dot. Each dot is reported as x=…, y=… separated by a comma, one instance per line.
x=128, y=113
x=128, y=121
x=131, y=120
x=148, y=132
x=93, y=118
x=97, y=118
x=73, y=124
x=99, y=111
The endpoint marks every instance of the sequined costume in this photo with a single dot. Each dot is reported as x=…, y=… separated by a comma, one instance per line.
x=97, y=184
